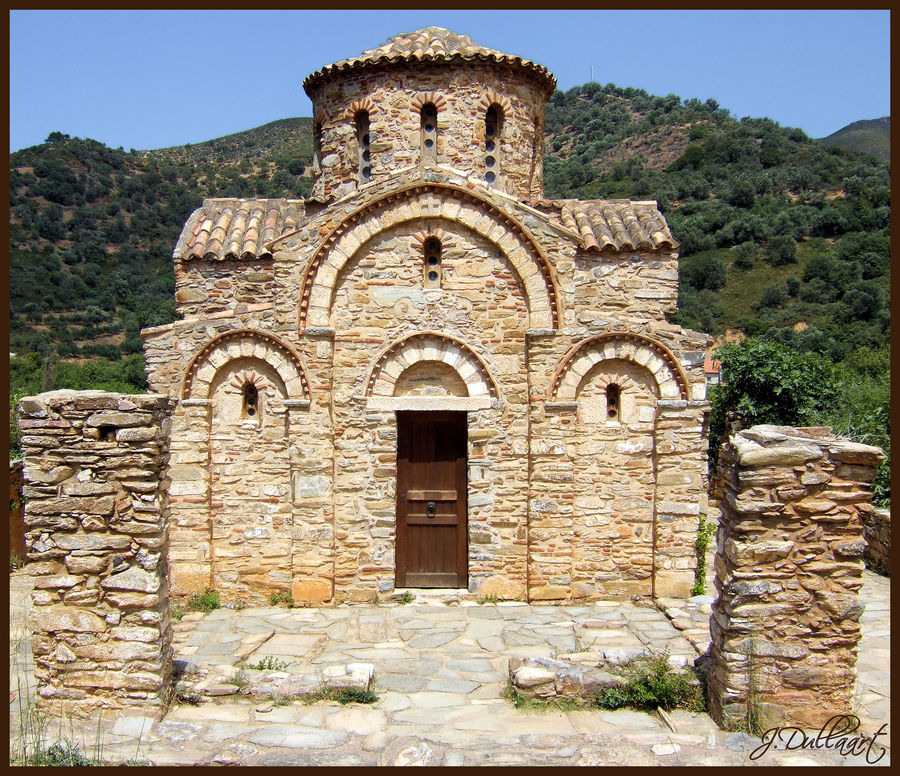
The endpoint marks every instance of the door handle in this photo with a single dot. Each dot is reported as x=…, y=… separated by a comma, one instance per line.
x=430, y=509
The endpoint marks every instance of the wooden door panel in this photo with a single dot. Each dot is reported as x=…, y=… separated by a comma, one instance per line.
x=431, y=534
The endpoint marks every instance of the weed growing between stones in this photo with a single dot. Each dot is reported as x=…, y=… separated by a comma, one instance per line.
x=405, y=598
x=512, y=694
x=204, y=602
x=177, y=613
x=652, y=684
x=701, y=545
x=281, y=597
x=268, y=663
x=490, y=599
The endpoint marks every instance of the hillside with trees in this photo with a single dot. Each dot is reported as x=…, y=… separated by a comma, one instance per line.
x=783, y=238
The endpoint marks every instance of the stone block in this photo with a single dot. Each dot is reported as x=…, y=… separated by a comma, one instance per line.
x=311, y=590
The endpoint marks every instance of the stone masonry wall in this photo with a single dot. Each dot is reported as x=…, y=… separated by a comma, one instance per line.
x=877, y=530
x=785, y=628
x=95, y=473
x=462, y=94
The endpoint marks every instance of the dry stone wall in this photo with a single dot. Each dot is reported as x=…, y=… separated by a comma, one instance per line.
x=877, y=529
x=95, y=474
x=785, y=628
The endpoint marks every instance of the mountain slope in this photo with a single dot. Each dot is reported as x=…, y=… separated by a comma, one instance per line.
x=870, y=136
x=778, y=232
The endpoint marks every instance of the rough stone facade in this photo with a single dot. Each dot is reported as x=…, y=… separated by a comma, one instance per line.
x=785, y=627
x=16, y=510
x=423, y=278
x=877, y=531
x=96, y=536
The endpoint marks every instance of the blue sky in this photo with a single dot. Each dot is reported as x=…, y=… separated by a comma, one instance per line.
x=151, y=79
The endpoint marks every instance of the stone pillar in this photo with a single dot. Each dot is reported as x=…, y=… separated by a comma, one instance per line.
x=190, y=537
x=785, y=627
x=312, y=538
x=680, y=449
x=95, y=473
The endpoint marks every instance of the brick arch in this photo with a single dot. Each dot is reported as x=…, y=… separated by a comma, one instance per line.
x=437, y=200
x=244, y=343
x=631, y=347
x=394, y=360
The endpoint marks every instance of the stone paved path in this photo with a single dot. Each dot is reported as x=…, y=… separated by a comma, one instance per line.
x=439, y=674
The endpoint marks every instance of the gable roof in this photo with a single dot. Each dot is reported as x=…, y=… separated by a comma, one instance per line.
x=237, y=228
x=430, y=44
x=614, y=225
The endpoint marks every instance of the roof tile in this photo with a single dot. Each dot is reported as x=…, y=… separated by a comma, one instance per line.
x=237, y=228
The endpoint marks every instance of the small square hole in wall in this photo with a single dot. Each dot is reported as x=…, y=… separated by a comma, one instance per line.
x=107, y=433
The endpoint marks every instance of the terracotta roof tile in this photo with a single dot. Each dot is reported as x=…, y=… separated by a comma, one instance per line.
x=614, y=225
x=430, y=44
x=237, y=228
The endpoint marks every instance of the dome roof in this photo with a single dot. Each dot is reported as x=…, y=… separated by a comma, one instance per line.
x=430, y=44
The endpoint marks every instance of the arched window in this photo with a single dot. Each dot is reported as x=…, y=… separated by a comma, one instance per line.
x=362, y=142
x=431, y=250
x=317, y=147
x=429, y=125
x=250, y=409
x=613, y=408
x=493, y=125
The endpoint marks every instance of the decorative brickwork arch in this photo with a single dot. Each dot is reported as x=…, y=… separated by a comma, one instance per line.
x=428, y=201
x=244, y=343
x=430, y=346
x=631, y=347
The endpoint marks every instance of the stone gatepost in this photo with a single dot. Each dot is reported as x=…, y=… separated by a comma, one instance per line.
x=785, y=627
x=96, y=509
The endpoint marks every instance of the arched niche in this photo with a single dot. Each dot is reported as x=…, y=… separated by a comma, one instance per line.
x=656, y=358
x=247, y=344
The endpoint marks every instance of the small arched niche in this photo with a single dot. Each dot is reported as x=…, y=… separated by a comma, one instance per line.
x=430, y=378
x=246, y=393
x=617, y=392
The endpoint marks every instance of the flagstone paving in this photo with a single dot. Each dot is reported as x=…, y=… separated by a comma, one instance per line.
x=439, y=673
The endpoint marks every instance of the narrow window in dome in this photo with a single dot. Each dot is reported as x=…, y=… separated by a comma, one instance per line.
x=431, y=250
x=493, y=124
x=317, y=147
x=429, y=132
x=612, y=402
x=362, y=142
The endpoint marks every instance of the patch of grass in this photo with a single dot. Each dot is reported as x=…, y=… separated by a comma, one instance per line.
x=177, y=613
x=281, y=597
x=653, y=684
x=353, y=695
x=61, y=753
x=701, y=545
x=490, y=599
x=405, y=598
x=188, y=698
x=204, y=602
x=268, y=663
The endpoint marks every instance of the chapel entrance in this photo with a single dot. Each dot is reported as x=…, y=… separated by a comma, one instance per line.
x=431, y=500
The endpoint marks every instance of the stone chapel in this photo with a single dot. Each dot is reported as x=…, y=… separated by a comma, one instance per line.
x=427, y=375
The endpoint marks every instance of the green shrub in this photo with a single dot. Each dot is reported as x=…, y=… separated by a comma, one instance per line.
x=653, y=684
x=268, y=663
x=354, y=695
x=281, y=597
x=204, y=602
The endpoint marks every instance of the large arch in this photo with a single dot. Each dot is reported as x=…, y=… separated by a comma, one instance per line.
x=434, y=200
x=245, y=343
x=619, y=345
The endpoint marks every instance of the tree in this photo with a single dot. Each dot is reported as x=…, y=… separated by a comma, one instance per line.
x=767, y=382
x=705, y=270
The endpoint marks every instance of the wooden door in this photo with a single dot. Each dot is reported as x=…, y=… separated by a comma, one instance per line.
x=431, y=499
